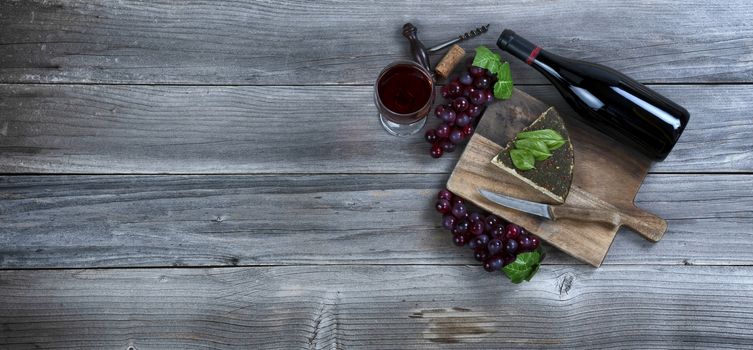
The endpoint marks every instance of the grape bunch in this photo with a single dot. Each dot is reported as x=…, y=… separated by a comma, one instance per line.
x=465, y=96
x=494, y=241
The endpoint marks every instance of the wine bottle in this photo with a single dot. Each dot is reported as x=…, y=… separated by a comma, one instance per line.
x=606, y=99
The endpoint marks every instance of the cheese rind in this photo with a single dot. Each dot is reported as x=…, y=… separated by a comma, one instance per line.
x=552, y=176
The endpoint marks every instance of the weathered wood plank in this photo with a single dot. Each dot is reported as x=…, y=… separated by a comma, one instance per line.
x=122, y=221
x=378, y=307
x=326, y=42
x=176, y=129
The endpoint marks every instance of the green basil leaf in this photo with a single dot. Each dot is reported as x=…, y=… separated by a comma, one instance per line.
x=543, y=134
x=522, y=159
x=538, y=148
x=487, y=59
x=503, y=88
x=554, y=144
x=524, y=267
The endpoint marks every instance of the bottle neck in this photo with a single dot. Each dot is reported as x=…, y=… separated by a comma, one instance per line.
x=519, y=47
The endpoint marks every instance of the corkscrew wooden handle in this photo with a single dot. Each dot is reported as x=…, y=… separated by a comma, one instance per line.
x=417, y=49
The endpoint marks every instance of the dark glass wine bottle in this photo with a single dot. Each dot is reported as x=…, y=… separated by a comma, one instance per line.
x=608, y=100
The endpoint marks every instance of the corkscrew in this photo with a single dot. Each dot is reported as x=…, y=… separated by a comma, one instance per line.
x=421, y=53
x=470, y=34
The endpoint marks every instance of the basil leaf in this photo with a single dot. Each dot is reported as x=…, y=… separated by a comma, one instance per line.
x=538, y=148
x=522, y=159
x=503, y=88
x=486, y=59
x=543, y=134
x=524, y=267
x=554, y=144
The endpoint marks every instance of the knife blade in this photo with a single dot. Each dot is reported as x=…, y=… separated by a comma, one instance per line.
x=554, y=212
x=525, y=206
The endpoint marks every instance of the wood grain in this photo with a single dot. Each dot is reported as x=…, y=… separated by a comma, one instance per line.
x=121, y=221
x=377, y=307
x=177, y=129
x=336, y=42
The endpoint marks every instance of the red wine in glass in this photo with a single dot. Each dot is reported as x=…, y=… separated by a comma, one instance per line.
x=404, y=93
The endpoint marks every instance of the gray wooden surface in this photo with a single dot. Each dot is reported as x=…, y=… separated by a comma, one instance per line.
x=211, y=174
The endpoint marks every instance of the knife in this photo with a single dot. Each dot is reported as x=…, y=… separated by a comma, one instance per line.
x=554, y=212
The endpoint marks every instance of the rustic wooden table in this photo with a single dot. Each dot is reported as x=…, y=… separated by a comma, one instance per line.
x=212, y=174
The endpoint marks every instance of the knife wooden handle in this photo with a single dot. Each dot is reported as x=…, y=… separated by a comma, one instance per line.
x=607, y=217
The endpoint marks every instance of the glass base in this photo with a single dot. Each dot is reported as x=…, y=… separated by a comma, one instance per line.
x=402, y=129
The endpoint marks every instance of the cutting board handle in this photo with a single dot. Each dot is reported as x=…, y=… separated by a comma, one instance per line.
x=646, y=224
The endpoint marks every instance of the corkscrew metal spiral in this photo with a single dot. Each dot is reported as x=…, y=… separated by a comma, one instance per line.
x=470, y=34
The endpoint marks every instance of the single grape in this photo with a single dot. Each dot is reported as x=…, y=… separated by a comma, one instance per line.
x=477, y=71
x=456, y=135
x=525, y=243
x=480, y=254
x=494, y=263
x=448, y=221
x=459, y=211
x=467, y=130
x=443, y=131
x=456, y=200
x=511, y=246
x=461, y=226
x=494, y=246
x=512, y=231
x=448, y=115
x=463, y=119
x=468, y=90
x=445, y=91
x=482, y=240
x=473, y=111
x=447, y=145
x=489, y=97
x=475, y=217
x=508, y=259
x=454, y=89
x=431, y=135
x=444, y=194
x=436, y=151
x=535, y=242
x=491, y=221
x=466, y=78
x=460, y=104
x=443, y=206
x=481, y=82
x=459, y=240
x=476, y=228
x=472, y=244
x=439, y=110
x=477, y=97
x=498, y=232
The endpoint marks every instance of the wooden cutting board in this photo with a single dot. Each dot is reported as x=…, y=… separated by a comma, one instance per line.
x=607, y=175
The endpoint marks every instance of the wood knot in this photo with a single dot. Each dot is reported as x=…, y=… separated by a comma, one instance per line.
x=565, y=283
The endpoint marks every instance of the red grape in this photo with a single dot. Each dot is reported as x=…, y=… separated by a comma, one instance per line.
x=460, y=104
x=477, y=71
x=494, y=246
x=444, y=194
x=431, y=135
x=456, y=135
x=489, y=96
x=493, y=264
x=447, y=145
x=467, y=130
x=459, y=240
x=443, y=206
x=476, y=228
x=454, y=89
x=443, y=131
x=436, y=151
x=463, y=119
x=474, y=110
x=511, y=246
x=481, y=82
x=448, y=221
x=459, y=211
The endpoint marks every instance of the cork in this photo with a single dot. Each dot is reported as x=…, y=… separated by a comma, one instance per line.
x=449, y=61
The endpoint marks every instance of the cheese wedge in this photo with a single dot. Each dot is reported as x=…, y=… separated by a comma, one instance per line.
x=552, y=176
